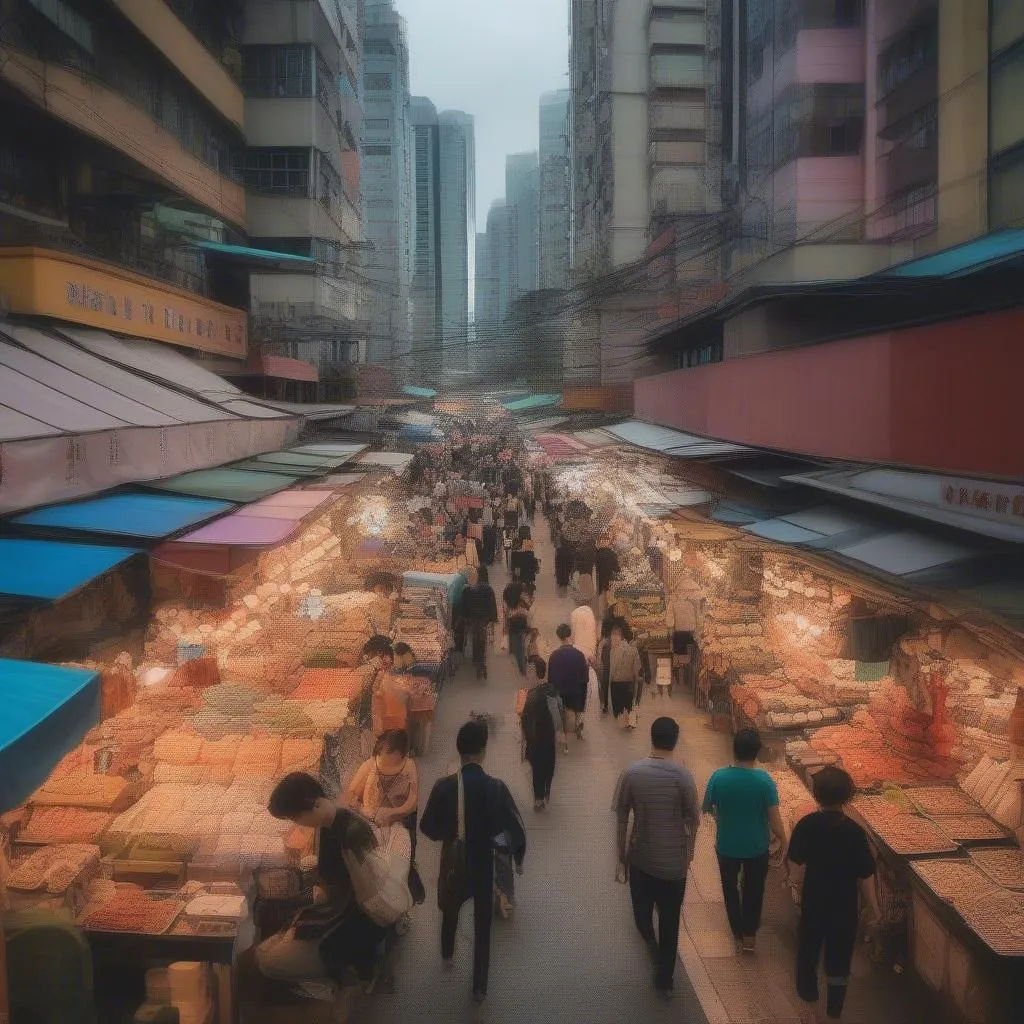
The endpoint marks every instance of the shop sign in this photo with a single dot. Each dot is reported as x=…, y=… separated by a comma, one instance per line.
x=39, y=282
x=993, y=501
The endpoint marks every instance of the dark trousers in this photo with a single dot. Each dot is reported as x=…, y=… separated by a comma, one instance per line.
x=483, y=911
x=836, y=936
x=622, y=695
x=542, y=762
x=743, y=888
x=648, y=892
x=517, y=648
x=602, y=692
x=490, y=539
x=478, y=638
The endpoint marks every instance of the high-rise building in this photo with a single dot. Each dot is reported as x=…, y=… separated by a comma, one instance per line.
x=301, y=167
x=458, y=236
x=522, y=196
x=554, y=189
x=426, y=280
x=387, y=184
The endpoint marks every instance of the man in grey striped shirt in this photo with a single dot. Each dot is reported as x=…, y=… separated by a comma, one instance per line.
x=655, y=855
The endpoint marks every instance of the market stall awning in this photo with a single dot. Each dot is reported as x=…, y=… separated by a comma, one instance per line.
x=819, y=526
x=307, y=460
x=990, y=250
x=339, y=448
x=148, y=516
x=46, y=712
x=671, y=500
x=733, y=513
x=315, y=413
x=533, y=402
x=416, y=392
x=674, y=443
x=280, y=368
x=51, y=570
x=544, y=425
x=233, y=485
x=339, y=480
x=390, y=460
x=300, y=472
x=903, y=553
x=975, y=506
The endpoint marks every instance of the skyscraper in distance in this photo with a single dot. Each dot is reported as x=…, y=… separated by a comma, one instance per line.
x=554, y=189
x=522, y=196
x=426, y=281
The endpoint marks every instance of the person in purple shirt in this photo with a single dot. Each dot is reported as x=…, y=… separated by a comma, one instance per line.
x=569, y=674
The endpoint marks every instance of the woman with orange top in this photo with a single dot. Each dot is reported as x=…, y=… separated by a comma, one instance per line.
x=385, y=789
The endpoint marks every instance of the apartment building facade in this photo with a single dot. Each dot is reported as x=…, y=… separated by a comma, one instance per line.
x=554, y=190
x=301, y=168
x=522, y=198
x=387, y=185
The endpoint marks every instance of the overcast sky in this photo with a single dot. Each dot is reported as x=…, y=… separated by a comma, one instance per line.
x=492, y=59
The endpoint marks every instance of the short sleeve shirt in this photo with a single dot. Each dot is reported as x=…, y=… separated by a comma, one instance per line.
x=741, y=799
x=835, y=852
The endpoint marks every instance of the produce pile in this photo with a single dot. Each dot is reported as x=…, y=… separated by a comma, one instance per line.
x=951, y=879
x=54, y=868
x=1003, y=865
x=907, y=834
x=122, y=907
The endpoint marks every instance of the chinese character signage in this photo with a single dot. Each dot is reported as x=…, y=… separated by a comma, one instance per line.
x=38, y=282
x=980, y=498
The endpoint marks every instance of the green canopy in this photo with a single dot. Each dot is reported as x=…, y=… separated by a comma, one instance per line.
x=306, y=460
x=414, y=392
x=233, y=485
x=258, y=466
x=533, y=402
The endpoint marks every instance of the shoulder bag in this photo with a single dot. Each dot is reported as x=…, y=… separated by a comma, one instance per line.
x=452, y=879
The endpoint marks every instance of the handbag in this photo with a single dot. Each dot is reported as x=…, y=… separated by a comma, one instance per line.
x=452, y=879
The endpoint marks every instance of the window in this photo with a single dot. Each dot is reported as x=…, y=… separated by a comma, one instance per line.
x=276, y=171
x=377, y=82
x=329, y=186
x=278, y=71
x=68, y=20
x=1007, y=23
x=796, y=15
x=905, y=58
x=326, y=86
x=376, y=151
x=913, y=210
x=1007, y=114
x=819, y=120
x=376, y=124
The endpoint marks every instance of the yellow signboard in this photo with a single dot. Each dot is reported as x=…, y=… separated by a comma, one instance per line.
x=38, y=282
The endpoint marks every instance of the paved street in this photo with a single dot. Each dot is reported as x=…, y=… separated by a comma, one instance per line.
x=570, y=954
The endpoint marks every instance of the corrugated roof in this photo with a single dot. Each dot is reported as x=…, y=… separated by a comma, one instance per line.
x=51, y=570
x=127, y=515
x=312, y=412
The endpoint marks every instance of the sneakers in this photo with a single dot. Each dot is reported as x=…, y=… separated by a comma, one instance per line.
x=748, y=944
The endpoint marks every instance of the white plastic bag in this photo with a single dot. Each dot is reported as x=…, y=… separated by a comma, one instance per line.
x=381, y=879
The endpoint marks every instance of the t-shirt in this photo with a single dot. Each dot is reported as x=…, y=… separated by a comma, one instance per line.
x=662, y=797
x=835, y=851
x=741, y=799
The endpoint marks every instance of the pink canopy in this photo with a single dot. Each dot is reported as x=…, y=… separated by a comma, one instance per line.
x=262, y=524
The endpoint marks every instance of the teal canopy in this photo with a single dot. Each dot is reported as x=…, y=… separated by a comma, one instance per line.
x=533, y=402
x=415, y=392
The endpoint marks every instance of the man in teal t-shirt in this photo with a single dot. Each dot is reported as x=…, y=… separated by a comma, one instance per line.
x=745, y=803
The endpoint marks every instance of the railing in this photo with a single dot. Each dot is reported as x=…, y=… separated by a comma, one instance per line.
x=214, y=24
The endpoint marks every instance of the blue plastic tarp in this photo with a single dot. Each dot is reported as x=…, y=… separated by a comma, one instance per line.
x=46, y=712
x=454, y=584
x=50, y=570
x=128, y=515
x=415, y=392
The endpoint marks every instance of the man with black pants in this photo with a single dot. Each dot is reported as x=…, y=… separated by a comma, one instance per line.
x=661, y=797
x=479, y=609
x=489, y=812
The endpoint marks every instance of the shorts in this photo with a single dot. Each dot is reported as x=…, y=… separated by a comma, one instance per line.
x=622, y=697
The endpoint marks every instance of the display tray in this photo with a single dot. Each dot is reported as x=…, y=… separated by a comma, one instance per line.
x=997, y=918
x=136, y=917
x=1002, y=865
x=971, y=828
x=936, y=801
x=48, y=826
x=953, y=879
x=909, y=835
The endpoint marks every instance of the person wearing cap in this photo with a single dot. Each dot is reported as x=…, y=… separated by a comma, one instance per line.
x=569, y=675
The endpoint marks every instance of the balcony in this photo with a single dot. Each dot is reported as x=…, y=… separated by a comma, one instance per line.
x=907, y=166
x=681, y=30
x=96, y=110
x=197, y=40
x=919, y=90
x=678, y=191
x=677, y=71
x=676, y=153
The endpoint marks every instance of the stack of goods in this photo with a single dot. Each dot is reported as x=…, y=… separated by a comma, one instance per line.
x=54, y=871
x=865, y=754
x=909, y=835
x=645, y=608
x=732, y=638
x=795, y=800
x=311, y=558
x=996, y=788
x=423, y=618
x=48, y=826
x=907, y=731
x=773, y=702
x=806, y=758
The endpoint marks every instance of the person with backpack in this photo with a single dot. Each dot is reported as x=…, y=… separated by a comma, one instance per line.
x=744, y=801
x=466, y=812
x=543, y=722
x=831, y=867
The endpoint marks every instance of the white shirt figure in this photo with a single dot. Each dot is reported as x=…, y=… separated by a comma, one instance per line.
x=583, y=624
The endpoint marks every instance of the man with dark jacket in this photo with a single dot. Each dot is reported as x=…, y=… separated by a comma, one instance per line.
x=479, y=609
x=489, y=811
x=606, y=563
x=569, y=674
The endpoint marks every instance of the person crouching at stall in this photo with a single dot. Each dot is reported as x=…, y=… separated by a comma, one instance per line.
x=385, y=789
x=337, y=934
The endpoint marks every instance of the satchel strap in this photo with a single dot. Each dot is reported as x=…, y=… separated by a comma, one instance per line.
x=460, y=809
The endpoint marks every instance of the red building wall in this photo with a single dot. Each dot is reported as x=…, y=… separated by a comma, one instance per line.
x=945, y=397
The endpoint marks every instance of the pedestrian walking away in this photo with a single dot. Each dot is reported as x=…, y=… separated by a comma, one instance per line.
x=466, y=812
x=606, y=568
x=744, y=802
x=624, y=674
x=830, y=866
x=478, y=607
x=543, y=723
x=518, y=623
x=565, y=565
x=660, y=797
x=569, y=674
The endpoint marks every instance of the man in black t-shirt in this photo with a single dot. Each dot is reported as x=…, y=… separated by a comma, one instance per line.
x=831, y=865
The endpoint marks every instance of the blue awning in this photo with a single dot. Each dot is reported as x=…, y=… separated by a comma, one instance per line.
x=244, y=254
x=969, y=258
x=50, y=570
x=47, y=711
x=415, y=392
x=533, y=402
x=674, y=443
x=733, y=513
x=150, y=516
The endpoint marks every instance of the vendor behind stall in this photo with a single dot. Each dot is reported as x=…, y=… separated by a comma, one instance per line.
x=327, y=939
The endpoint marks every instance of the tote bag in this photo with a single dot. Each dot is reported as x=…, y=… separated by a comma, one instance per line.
x=452, y=880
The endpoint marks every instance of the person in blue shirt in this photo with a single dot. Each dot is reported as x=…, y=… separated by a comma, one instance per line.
x=744, y=801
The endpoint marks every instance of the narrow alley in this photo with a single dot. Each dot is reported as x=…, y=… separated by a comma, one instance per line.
x=570, y=953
